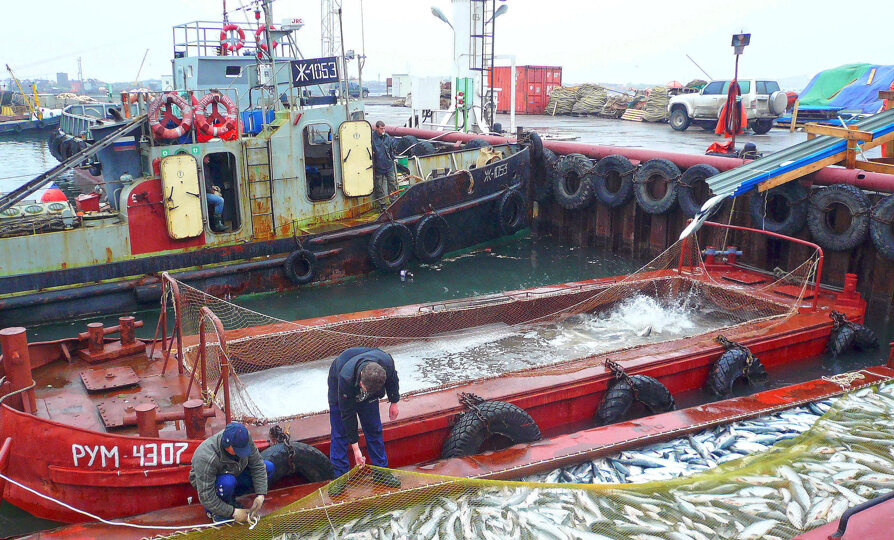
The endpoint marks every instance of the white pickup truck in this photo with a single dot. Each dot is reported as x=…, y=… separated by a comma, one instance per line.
x=763, y=102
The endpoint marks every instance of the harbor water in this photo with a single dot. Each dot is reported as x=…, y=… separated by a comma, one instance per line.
x=522, y=261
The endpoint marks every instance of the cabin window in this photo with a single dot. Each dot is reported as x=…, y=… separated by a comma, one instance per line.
x=234, y=71
x=220, y=169
x=713, y=88
x=319, y=167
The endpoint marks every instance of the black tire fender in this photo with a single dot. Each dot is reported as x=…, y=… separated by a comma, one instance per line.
x=881, y=230
x=819, y=220
x=840, y=340
x=781, y=210
x=475, y=143
x=545, y=173
x=512, y=212
x=307, y=462
x=423, y=148
x=621, y=396
x=473, y=428
x=691, y=183
x=613, y=182
x=402, y=144
x=732, y=365
x=53, y=145
x=430, y=240
x=390, y=247
x=535, y=145
x=573, y=185
x=300, y=266
x=864, y=337
x=649, y=174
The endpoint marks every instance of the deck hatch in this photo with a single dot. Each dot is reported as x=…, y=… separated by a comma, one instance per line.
x=113, y=410
x=97, y=380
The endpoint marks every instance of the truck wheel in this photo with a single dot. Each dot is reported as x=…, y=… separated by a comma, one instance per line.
x=707, y=125
x=761, y=127
x=679, y=120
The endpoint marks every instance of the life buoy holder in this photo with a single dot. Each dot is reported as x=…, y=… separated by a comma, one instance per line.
x=227, y=43
x=158, y=124
x=215, y=124
x=262, y=46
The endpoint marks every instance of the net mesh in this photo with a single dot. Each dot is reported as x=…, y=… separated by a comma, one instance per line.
x=843, y=459
x=247, y=341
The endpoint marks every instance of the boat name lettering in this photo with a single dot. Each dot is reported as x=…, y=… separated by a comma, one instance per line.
x=313, y=71
x=150, y=455
x=79, y=451
x=496, y=172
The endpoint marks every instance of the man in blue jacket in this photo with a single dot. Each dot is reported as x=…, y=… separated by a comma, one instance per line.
x=384, y=176
x=358, y=378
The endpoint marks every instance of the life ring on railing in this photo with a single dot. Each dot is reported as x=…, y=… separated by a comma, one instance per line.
x=300, y=266
x=262, y=46
x=489, y=419
x=181, y=125
x=391, y=246
x=215, y=124
x=226, y=43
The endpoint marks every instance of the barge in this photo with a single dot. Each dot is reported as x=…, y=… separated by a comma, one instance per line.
x=125, y=416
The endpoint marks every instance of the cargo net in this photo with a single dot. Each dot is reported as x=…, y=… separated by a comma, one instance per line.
x=548, y=330
x=809, y=477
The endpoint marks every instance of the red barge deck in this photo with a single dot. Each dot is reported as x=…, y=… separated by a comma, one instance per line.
x=85, y=447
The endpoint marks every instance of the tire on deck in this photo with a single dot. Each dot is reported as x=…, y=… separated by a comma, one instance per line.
x=308, y=462
x=473, y=429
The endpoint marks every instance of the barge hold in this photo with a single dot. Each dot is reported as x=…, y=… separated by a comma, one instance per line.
x=102, y=416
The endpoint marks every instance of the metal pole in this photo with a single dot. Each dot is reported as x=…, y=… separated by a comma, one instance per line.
x=736, y=79
x=344, y=86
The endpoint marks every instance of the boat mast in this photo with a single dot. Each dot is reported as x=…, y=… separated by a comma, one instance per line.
x=343, y=83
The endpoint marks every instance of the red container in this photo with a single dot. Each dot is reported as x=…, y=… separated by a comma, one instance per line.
x=532, y=87
x=88, y=202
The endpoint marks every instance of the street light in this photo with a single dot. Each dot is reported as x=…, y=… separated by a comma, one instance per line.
x=440, y=14
x=500, y=10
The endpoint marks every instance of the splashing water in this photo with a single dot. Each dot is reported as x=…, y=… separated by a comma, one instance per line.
x=494, y=349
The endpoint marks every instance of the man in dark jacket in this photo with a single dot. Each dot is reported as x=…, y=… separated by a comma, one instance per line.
x=384, y=177
x=358, y=378
x=225, y=466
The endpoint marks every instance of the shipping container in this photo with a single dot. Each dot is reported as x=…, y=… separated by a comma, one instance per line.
x=532, y=87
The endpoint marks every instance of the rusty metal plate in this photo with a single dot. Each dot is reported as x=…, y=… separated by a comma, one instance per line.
x=744, y=278
x=112, y=410
x=97, y=380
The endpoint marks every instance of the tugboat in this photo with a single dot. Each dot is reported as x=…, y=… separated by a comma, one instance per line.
x=295, y=176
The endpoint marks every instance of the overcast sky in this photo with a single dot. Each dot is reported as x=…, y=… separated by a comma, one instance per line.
x=594, y=41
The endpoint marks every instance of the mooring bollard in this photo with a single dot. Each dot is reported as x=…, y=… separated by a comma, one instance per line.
x=127, y=330
x=194, y=419
x=147, y=425
x=17, y=364
x=95, y=337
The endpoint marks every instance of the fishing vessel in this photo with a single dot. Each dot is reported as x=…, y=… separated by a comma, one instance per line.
x=125, y=416
x=294, y=173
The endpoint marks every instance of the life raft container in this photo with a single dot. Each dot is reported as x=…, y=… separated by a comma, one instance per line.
x=181, y=125
x=482, y=421
x=226, y=43
x=215, y=124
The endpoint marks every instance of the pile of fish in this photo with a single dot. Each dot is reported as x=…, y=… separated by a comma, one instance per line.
x=775, y=492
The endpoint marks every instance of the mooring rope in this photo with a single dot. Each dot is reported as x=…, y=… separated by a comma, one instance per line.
x=115, y=523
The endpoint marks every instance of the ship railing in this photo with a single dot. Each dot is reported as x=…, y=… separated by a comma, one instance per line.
x=224, y=381
x=169, y=288
x=819, y=252
x=202, y=38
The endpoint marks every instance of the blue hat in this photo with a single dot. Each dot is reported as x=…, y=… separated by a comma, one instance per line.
x=236, y=435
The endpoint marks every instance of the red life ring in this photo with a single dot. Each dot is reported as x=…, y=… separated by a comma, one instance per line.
x=262, y=46
x=215, y=124
x=159, y=118
x=226, y=42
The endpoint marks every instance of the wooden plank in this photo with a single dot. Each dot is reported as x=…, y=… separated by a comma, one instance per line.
x=872, y=166
x=851, y=134
x=886, y=94
x=850, y=159
x=791, y=127
x=801, y=171
x=634, y=115
x=878, y=141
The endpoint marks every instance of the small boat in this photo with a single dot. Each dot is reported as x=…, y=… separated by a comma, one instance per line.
x=125, y=416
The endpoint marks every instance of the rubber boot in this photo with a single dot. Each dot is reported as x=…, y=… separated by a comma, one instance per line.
x=217, y=224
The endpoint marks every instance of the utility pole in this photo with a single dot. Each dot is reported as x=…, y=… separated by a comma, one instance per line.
x=330, y=38
x=80, y=73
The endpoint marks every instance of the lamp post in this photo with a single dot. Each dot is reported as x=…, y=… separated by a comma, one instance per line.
x=440, y=15
x=740, y=41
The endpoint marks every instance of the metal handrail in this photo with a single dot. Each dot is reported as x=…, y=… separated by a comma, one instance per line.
x=819, y=250
x=207, y=314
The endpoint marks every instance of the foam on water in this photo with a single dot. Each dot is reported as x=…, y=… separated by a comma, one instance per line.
x=494, y=349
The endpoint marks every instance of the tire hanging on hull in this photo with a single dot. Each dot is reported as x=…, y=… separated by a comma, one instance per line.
x=482, y=421
x=648, y=181
x=300, y=266
x=737, y=361
x=430, y=240
x=846, y=335
x=628, y=389
x=390, y=247
x=613, y=184
x=824, y=209
x=781, y=210
x=573, y=185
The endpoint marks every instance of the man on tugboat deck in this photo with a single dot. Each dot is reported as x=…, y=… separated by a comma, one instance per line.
x=358, y=378
x=225, y=466
x=384, y=176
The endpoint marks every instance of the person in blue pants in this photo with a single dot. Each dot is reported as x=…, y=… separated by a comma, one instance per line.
x=358, y=378
x=225, y=466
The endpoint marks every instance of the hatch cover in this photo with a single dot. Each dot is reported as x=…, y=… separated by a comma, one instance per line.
x=112, y=410
x=792, y=291
x=97, y=380
x=744, y=278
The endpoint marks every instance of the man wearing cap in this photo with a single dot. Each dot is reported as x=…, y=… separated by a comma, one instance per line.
x=358, y=378
x=225, y=466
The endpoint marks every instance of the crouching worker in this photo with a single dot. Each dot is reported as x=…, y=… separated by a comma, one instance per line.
x=358, y=378
x=225, y=466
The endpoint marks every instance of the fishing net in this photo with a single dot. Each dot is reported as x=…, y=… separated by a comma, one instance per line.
x=656, y=105
x=799, y=483
x=224, y=343
x=615, y=106
x=590, y=99
x=561, y=100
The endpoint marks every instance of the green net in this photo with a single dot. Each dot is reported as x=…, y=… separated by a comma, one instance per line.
x=844, y=458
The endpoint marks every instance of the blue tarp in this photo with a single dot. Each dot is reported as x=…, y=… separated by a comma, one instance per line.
x=860, y=95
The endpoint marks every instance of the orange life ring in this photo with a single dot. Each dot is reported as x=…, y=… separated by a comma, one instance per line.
x=215, y=124
x=262, y=46
x=226, y=43
x=158, y=118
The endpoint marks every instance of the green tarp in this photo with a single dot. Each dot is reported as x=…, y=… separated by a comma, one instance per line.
x=826, y=85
